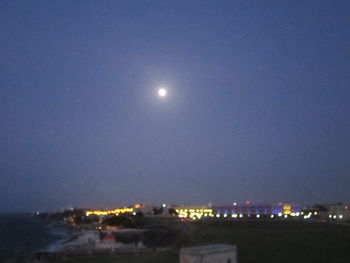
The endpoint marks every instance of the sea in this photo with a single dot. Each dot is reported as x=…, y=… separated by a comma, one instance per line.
x=24, y=234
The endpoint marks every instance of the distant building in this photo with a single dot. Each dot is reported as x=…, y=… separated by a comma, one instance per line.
x=240, y=211
x=117, y=211
x=338, y=211
x=108, y=238
x=257, y=211
x=216, y=253
x=194, y=212
x=88, y=237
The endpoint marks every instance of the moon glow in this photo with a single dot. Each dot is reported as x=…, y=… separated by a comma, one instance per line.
x=162, y=92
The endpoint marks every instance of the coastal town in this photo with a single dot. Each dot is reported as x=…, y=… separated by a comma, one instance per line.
x=142, y=228
x=167, y=131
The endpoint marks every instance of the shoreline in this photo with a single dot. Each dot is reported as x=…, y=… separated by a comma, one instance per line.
x=48, y=236
x=63, y=235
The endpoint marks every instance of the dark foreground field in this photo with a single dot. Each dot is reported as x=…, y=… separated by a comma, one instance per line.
x=257, y=242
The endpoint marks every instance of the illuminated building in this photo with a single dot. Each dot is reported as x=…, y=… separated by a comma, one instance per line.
x=257, y=211
x=194, y=212
x=240, y=211
x=287, y=209
x=248, y=210
x=117, y=211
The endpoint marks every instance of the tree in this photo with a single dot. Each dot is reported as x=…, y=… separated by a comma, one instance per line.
x=173, y=212
x=117, y=221
x=157, y=210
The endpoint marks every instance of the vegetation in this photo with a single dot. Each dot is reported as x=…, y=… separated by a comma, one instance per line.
x=257, y=241
x=59, y=216
x=168, y=257
x=279, y=241
x=125, y=220
x=157, y=210
x=172, y=212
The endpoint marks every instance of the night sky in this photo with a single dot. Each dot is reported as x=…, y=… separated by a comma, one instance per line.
x=258, y=104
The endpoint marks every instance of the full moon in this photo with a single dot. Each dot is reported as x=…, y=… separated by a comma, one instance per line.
x=162, y=92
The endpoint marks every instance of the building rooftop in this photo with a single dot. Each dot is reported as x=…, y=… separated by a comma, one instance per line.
x=212, y=248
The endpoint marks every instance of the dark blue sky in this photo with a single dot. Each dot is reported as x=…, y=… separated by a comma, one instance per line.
x=258, y=106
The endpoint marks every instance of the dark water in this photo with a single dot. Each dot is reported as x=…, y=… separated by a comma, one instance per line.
x=24, y=234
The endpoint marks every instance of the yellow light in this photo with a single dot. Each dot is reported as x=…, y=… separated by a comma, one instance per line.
x=196, y=213
x=117, y=211
x=287, y=209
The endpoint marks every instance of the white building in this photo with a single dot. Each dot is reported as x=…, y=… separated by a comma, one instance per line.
x=88, y=237
x=215, y=253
